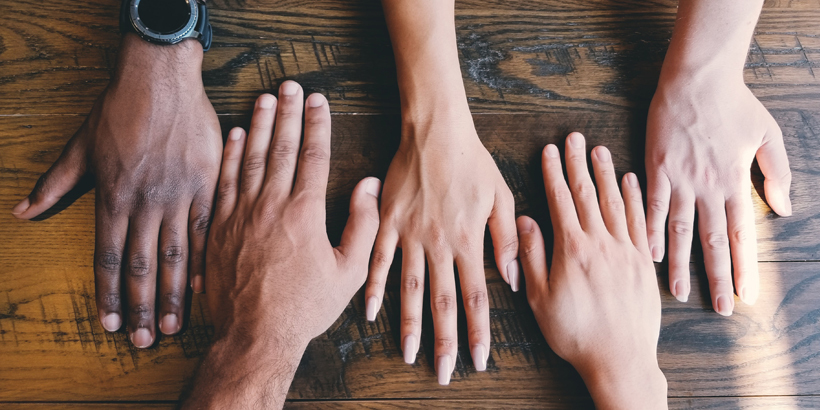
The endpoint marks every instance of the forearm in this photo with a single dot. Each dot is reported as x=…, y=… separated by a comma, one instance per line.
x=249, y=374
x=711, y=37
x=424, y=43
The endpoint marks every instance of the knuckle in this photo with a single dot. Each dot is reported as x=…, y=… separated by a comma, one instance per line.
x=381, y=260
x=446, y=343
x=314, y=154
x=227, y=189
x=411, y=321
x=531, y=252
x=476, y=300
x=173, y=255
x=254, y=163
x=283, y=150
x=717, y=241
x=740, y=235
x=109, y=261
x=281, y=169
x=411, y=284
x=680, y=228
x=615, y=204
x=110, y=300
x=584, y=190
x=141, y=311
x=173, y=298
x=560, y=195
x=201, y=223
x=574, y=246
x=444, y=303
x=657, y=205
x=139, y=266
x=509, y=245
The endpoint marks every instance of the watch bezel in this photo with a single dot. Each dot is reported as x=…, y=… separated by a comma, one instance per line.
x=171, y=38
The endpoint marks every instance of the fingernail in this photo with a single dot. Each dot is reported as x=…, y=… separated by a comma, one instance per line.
x=603, y=154
x=290, y=88
x=552, y=151
x=681, y=291
x=512, y=274
x=374, y=186
x=479, y=357
x=748, y=297
x=169, y=324
x=112, y=322
x=235, y=134
x=316, y=100
x=409, y=347
x=787, y=202
x=576, y=140
x=632, y=180
x=196, y=284
x=21, y=207
x=266, y=101
x=443, y=369
x=724, y=305
x=657, y=253
x=372, y=308
x=142, y=338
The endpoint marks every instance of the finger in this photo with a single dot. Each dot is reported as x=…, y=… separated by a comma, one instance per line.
x=199, y=223
x=774, y=164
x=412, y=300
x=256, y=151
x=111, y=231
x=314, y=159
x=286, y=138
x=583, y=191
x=476, y=305
x=505, y=239
x=533, y=258
x=362, y=226
x=63, y=175
x=658, y=192
x=383, y=250
x=173, y=271
x=681, y=221
x=562, y=209
x=635, y=219
x=743, y=241
x=609, y=196
x=229, y=174
x=716, y=257
x=141, y=278
x=445, y=321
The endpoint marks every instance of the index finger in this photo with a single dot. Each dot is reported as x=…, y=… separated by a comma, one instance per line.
x=559, y=199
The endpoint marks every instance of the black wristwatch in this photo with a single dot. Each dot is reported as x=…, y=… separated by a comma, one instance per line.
x=166, y=21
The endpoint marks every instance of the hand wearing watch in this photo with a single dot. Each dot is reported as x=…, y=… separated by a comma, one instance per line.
x=167, y=22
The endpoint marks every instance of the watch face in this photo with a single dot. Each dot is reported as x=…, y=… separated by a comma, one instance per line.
x=164, y=16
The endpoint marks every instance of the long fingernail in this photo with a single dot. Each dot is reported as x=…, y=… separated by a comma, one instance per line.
x=512, y=274
x=21, y=207
x=681, y=291
x=169, y=324
x=266, y=101
x=197, y=285
x=725, y=304
x=409, y=347
x=290, y=88
x=657, y=253
x=576, y=140
x=372, y=308
x=112, y=322
x=374, y=186
x=443, y=369
x=479, y=357
x=142, y=338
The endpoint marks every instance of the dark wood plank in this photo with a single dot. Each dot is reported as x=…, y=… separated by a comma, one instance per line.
x=54, y=349
x=538, y=56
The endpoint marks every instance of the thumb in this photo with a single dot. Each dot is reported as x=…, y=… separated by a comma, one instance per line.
x=362, y=225
x=771, y=156
x=56, y=182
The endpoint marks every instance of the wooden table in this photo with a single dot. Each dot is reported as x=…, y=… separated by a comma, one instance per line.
x=534, y=70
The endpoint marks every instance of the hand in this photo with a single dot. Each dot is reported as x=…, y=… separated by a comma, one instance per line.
x=599, y=306
x=152, y=144
x=274, y=281
x=441, y=190
x=703, y=134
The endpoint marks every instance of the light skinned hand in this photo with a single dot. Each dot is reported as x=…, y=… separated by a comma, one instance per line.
x=598, y=305
x=439, y=195
x=701, y=140
x=152, y=144
x=274, y=280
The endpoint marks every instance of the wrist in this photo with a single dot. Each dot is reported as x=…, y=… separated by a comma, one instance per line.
x=630, y=385
x=177, y=62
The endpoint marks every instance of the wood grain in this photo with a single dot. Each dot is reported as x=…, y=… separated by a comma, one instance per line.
x=598, y=55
